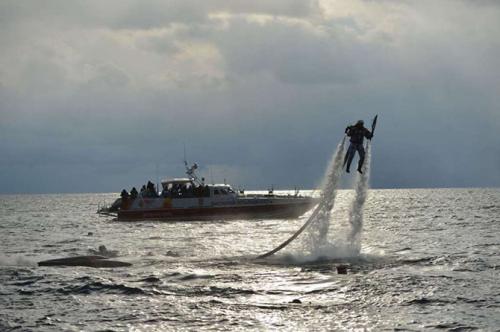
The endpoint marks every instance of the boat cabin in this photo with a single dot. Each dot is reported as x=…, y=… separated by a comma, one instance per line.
x=168, y=184
x=187, y=188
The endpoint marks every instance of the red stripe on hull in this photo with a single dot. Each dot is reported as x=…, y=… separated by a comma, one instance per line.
x=218, y=213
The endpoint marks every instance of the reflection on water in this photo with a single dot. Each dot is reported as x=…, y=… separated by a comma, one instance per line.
x=429, y=260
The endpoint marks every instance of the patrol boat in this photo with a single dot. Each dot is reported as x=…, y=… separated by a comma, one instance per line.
x=191, y=199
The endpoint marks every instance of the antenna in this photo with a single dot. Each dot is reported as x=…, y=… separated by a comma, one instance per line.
x=190, y=171
x=157, y=177
x=185, y=159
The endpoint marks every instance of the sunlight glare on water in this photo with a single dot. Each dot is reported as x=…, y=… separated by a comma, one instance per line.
x=429, y=259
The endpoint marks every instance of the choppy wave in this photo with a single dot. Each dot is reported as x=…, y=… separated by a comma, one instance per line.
x=101, y=288
x=413, y=270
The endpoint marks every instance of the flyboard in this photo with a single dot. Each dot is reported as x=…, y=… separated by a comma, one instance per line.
x=311, y=219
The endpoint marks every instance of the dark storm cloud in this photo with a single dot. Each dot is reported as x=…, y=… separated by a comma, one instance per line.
x=94, y=95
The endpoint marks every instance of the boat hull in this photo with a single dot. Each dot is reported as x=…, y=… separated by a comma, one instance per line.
x=264, y=211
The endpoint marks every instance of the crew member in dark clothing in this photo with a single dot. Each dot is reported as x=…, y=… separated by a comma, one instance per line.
x=124, y=194
x=133, y=193
x=125, y=199
x=151, y=190
x=357, y=133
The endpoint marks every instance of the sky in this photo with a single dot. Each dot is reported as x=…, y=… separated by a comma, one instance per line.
x=97, y=96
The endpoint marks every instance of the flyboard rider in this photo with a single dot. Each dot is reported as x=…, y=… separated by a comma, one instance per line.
x=357, y=133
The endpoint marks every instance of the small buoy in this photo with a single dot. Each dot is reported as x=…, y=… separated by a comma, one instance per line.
x=172, y=253
x=90, y=234
x=296, y=301
x=341, y=269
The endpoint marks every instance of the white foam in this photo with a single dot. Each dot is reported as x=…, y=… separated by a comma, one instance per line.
x=16, y=261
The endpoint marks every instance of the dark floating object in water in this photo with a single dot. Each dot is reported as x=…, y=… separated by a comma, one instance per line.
x=103, y=251
x=296, y=301
x=90, y=261
x=150, y=279
x=341, y=269
x=172, y=253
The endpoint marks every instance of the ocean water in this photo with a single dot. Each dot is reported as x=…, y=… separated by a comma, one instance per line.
x=429, y=260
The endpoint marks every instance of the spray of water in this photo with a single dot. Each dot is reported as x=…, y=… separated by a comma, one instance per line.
x=16, y=261
x=320, y=217
x=318, y=224
x=356, y=211
x=318, y=230
x=345, y=244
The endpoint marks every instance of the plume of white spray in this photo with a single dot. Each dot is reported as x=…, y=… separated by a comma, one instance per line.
x=318, y=231
x=319, y=221
x=16, y=261
x=318, y=224
x=356, y=211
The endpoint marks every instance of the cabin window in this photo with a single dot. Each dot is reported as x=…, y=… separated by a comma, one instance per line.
x=216, y=191
x=223, y=191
